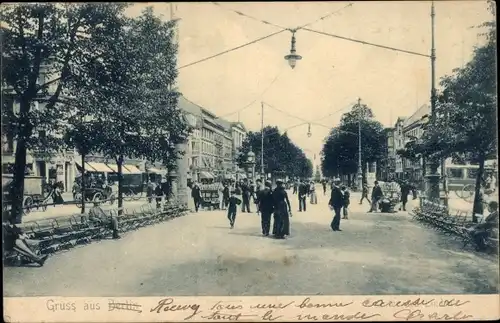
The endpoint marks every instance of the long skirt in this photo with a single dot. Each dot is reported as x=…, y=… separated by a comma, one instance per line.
x=314, y=198
x=281, y=226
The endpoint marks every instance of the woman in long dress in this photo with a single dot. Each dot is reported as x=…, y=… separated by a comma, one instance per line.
x=281, y=226
x=312, y=190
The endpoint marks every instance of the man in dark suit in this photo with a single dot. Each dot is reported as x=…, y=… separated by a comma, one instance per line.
x=335, y=204
x=376, y=196
x=246, y=192
x=266, y=207
x=303, y=192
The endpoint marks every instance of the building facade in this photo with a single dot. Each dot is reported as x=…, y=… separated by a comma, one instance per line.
x=399, y=143
x=212, y=143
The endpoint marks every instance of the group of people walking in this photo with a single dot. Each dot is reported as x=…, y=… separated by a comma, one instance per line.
x=269, y=202
x=303, y=189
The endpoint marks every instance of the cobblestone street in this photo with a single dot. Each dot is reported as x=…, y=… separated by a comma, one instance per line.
x=199, y=255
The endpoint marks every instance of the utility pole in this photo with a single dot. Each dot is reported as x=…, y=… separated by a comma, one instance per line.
x=360, y=172
x=262, y=143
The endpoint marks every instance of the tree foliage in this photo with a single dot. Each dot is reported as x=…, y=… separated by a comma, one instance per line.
x=340, y=150
x=280, y=153
x=105, y=80
x=43, y=49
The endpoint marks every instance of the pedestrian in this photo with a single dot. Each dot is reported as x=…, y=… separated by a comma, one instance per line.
x=303, y=190
x=323, y=182
x=196, y=195
x=245, y=191
x=158, y=192
x=312, y=193
x=220, y=195
x=346, y=196
x=336, y=202
x=405, y=190
x=225, y=196
x=364, y=194
x=232, y=208
x=266, y=207
x=150, y=190
x=282, y=211
x=295, y=187
x=377, y=195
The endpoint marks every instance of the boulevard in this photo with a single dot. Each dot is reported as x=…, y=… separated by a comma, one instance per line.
x=199, y=255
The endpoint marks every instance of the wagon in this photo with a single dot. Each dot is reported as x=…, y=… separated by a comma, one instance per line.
x=96, y=195
x=33, y=197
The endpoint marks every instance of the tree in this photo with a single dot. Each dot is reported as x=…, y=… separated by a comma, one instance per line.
x=340, y=150
x=133, y=107
x=42, y=51
x=464, y=126
x=280, y=153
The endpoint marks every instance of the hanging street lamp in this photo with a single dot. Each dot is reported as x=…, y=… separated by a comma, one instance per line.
x=292, y=58
x=309, y=134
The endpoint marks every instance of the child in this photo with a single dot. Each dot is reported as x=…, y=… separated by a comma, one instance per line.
x=346, y=200
x=232, y=207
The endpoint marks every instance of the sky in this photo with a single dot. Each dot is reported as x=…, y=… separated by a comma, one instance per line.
x=332, y=74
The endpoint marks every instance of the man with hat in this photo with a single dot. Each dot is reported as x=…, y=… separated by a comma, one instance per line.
x=266, y=207
x=335, y=204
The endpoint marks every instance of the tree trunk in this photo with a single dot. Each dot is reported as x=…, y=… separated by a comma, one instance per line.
x=119, y=163
x=478, y=206
x=17, y=186
x=82, y=187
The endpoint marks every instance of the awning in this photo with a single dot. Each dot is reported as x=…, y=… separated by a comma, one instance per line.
x=131, y=169
x=99, y=167
x=113, y=167
x=206, y=175
x=242, y=176
x=229, y=176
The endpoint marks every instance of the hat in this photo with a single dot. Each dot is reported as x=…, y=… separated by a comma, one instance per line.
x=336, y=179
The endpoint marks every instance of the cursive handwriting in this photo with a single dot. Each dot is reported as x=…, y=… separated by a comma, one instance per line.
x=223, y=306
x=218, y=316
x=127, y=306
x=271, y=306
x=451, y=303
x=406, y=303
x=409, y=315
x=336, y=317
x=167, y=305
x=306, y=303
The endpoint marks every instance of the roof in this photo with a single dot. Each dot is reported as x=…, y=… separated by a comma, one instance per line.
x=188, y=106
x=226, y=124
x=239, y=124
x=418, y=115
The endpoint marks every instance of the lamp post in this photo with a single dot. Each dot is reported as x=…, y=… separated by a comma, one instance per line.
x=360, y=171
x=433, y=176
x=292, y=58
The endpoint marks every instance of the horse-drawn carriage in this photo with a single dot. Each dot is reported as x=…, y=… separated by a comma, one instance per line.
x=35, y=196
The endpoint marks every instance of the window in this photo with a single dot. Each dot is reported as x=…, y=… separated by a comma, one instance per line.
x=455, y=173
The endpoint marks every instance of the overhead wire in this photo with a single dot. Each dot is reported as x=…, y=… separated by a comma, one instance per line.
x=230, y=50
x=366, y=43
x=250, y=17
x=257, y=98
x=324, y=17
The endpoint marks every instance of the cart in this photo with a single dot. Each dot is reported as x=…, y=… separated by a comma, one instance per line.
x=96, y=195
x=210, y=198
x=33, y=197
